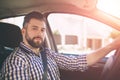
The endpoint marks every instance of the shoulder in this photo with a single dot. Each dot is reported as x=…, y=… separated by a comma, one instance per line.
x=50, y=51
x=16, y=56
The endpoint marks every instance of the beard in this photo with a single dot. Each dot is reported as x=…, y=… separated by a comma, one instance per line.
x=33, y=43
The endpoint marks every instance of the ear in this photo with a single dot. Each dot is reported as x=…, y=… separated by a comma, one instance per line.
x=23, y=30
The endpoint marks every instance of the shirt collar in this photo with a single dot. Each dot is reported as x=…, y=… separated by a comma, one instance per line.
x=27, y=49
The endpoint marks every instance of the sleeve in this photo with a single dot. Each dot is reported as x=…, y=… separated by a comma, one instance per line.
x=15, y=68
x=73, y=63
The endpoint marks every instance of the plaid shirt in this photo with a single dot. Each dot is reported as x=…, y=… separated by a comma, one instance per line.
x=23, y=64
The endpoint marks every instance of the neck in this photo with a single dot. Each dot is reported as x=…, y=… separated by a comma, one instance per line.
x=35, y=50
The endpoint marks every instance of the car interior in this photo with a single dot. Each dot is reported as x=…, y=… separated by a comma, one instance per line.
x=10, y=34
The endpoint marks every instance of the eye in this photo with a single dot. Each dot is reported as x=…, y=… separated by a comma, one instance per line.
x=43, y=29
x=34, y=28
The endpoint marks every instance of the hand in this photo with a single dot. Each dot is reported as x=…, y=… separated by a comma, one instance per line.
x=115, y=44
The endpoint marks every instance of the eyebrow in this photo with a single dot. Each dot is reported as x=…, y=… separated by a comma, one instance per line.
x=34, y=26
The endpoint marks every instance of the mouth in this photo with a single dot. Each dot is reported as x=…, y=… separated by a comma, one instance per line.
x=38, y=39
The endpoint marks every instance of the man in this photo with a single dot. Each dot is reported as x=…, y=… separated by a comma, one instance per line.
x=26, y=62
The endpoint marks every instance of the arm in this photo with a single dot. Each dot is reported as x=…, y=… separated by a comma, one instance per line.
x=73, y=63
x=102, y=52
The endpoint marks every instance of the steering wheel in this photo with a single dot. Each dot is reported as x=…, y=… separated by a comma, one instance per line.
x=111, y=70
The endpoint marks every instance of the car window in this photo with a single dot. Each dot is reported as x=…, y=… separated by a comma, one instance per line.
x=14, y=20
x=76, y=34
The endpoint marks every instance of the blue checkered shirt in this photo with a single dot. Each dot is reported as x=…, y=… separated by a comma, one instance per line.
x=23, y=64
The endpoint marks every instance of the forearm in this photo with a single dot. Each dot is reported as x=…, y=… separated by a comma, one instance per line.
x=95, y=56
x=100, y=53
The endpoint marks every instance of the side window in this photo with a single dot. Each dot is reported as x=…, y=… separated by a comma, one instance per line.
x=77, y=34
x=14, y=20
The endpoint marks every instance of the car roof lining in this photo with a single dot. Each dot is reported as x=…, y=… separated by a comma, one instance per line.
x=64, y=6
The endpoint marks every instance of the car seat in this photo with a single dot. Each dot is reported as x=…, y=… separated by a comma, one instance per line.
x=10, y=37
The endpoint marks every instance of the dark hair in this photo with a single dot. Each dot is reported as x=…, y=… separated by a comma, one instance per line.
x=34, y=14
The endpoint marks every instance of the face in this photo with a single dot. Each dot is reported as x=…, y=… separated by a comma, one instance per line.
x=34, y=33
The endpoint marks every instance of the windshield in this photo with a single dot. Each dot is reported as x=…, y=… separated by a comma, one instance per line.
x=77, y=34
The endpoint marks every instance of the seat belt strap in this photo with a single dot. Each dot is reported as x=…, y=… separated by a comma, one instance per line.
x=45, y=67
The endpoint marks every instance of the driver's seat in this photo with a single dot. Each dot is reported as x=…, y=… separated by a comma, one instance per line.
x=10, y=37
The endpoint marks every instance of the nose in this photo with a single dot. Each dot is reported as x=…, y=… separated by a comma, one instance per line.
x=40, y=32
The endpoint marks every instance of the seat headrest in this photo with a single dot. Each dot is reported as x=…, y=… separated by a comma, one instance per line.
x=10, y=35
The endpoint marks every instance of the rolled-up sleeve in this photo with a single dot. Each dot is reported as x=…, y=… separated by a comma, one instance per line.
x=73, y=63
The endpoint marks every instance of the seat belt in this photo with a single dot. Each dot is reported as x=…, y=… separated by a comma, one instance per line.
x=45, y=67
